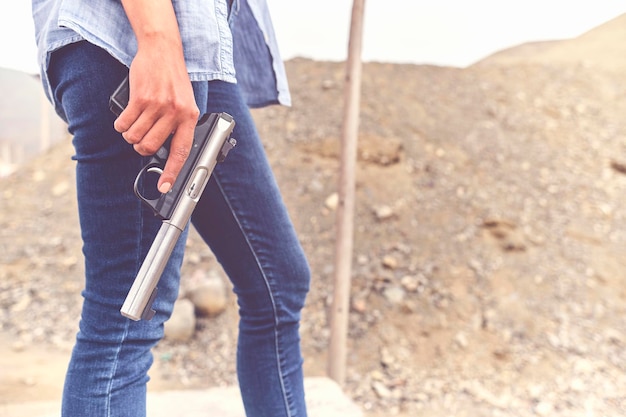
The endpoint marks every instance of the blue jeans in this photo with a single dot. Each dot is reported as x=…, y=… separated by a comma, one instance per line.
x=240, y=216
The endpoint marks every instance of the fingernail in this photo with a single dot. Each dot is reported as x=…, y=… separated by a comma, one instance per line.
x=165, y=187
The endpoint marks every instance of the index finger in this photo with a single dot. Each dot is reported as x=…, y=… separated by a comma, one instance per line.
x=180, y=147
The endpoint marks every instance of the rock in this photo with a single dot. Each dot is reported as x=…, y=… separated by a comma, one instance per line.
x=374, y=149
x=182, y=324
x=461, y=340
x=386, y=358
x=381, y=389
x=18, y=346
x=619, y=166
x=332, y=201
x=544, y=408
x=328, y=84
x=410, y=283
x=60, y=188
x=390, y=262
x=383, y=212
x=508, y=235
x=359, y=305
x=22, y=304
x=193, y=257
x=209, y=297
x=394, y=294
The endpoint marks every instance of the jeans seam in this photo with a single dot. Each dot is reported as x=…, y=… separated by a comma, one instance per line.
x=127, y=323
x=269, y=290
x=114, y=370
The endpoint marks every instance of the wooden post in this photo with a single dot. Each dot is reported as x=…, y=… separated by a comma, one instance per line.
x=345, y=209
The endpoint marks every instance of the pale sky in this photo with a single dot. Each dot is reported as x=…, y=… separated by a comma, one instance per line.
x=441, y=32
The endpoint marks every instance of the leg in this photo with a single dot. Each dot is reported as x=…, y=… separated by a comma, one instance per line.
x=243, y=219
x=107, y=373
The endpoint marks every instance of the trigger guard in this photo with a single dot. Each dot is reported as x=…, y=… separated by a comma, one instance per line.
x=150, y=168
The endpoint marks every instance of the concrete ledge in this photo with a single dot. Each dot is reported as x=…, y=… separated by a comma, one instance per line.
x=324, y=399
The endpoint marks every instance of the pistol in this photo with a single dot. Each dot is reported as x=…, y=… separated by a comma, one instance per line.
x=211, y=144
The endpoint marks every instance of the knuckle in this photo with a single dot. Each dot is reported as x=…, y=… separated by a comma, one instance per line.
x=151, y=148
x=184, y=110
x=131, y=137
x=120, y=126
x=145, y=148
x=141, y=101
x=139, y=149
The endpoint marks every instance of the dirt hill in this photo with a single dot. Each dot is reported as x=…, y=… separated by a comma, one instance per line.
x=489, y=268
x=599, y=47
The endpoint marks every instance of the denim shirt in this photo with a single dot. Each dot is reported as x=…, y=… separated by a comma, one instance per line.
x=236, y=45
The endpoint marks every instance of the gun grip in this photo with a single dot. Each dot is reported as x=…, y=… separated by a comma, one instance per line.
x=119, y=98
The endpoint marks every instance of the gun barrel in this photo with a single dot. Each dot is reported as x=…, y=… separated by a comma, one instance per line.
x=138, y=302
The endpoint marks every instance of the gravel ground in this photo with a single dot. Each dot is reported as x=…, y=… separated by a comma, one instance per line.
x=489, y=265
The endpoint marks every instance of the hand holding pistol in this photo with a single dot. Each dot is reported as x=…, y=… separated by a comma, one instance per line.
x=211, y=144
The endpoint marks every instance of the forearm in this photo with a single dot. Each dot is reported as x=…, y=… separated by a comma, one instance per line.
x=161, y=99
x=155, y=25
